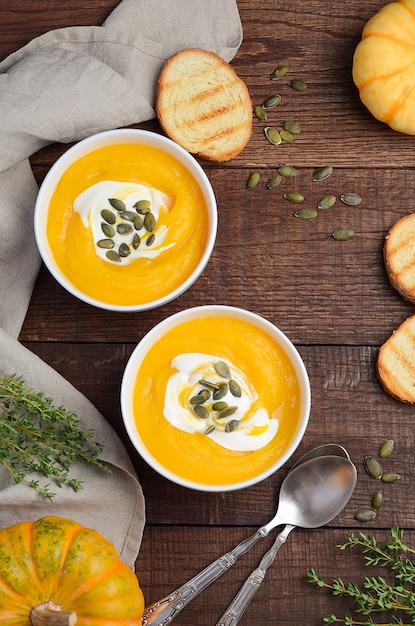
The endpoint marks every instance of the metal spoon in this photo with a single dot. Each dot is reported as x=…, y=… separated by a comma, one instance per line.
x=311, y=495
x=165, y=610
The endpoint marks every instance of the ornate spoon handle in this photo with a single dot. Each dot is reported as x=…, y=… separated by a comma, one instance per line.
x=237, y=607
x=165, y=610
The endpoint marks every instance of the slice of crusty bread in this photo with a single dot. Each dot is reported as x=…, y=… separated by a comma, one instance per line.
x=203, y=105
x=395, y=364
x=399, y=256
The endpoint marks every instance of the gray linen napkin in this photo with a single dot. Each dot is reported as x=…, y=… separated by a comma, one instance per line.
x=61, y=87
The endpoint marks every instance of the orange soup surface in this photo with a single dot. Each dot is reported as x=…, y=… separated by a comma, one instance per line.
x=193, y=455
x=141, y=280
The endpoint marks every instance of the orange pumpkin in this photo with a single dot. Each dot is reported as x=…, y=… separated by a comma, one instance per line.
x=55, y=571
x=384, y=65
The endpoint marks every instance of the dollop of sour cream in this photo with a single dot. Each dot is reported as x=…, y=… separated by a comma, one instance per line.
x=92, y=201
x=249, y=432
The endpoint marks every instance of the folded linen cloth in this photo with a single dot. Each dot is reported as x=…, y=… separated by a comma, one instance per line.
x=62, y=87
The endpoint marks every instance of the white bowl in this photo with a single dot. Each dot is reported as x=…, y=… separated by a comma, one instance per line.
x=236, y=315
x=100, y=140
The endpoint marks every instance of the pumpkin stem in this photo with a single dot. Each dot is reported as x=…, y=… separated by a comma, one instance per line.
x=51, y=614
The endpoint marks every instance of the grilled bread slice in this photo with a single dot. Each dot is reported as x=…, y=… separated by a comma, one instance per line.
x=395, y=365
x=399, y=256
x=203, y=105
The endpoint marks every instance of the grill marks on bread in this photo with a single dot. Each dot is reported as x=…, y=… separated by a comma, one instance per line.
x=203, y=105
x=399, y=256
x=395, y=364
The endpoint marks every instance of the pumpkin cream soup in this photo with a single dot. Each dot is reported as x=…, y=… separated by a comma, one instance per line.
x=216, y=400
x=127, y=224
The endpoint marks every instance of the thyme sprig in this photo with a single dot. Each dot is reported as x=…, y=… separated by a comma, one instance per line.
x=377, y=594
x=39, y=438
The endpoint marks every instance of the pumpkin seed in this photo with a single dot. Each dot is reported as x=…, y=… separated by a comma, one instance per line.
x=150, y=240
x=124, y=250
x=272, y=135
x=377, y=500
x=231, y=426
x=200, y=411
x=208, y=384
x=297, y=84
x=194, y=400
x=149, y=222
x=124, y=229
x=274, y=181
x=253, y=180
x=365, y=515
x=205, y=393
x=129, y=216
x=260, y=113
x=321, y=173
x=117, y=204
x=279, y=72
x=136, y=241
x=219, y=406
x=222, y=369
x=294, y=196
x=288, y=171
x=271, y=102
x=286, y=136
x=390, y=477
x=292, y=127
x=107, y=229
x=108, y=216
x=326, y=202
x=352, y=199
x=386, y=448
x=220, y=391
x=113, y=256
x=234, y=388
x=142, y=206
x=138, y=222
x=105, y=243
x=342, y=234
x=230, y=410
x=372, y=466
x=306, y=214
x=209, y=429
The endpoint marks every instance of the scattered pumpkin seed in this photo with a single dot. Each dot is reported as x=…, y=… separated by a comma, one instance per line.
x=234, y=388
x=230, y=410
x=253, y=180
x=294, y=196
x=271, y=101
x=108, y=216
x=219, y=406
x=272, y=135
x=124, y=250
x=208, y=384
x=117, y=204
x=112, y=255
x=342, y=234
x=107, y=229
x=321, y=173
x=287, y=170
x=306, y=214
x=105, y=243
x=386, y=448
x=194, y=400
x=138, y=222
x=351, y=199
x=286, y=136
x=209, y=429
x=231, y=426
x=124, y=229
x=136, y=241
x=372, y=466
x=200, y=411
x=390, y=477
x=297, y=84
x=292, y=127
x=220, y=391
x=142, y=206
x=150, y=240
x=326, y=202
x=274, y=181
x=205, y=393
x=149, y=222
x=260, y=113
x=377, y=500
x=279, y=72
x=222, y=369
x=365, y=515
x=129, y=216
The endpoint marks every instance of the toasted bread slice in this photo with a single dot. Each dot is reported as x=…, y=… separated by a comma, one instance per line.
x=203, y=105
x=399, y=256
x=395, y=364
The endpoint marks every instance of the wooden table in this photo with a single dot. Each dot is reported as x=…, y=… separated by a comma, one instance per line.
x=331, y=298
